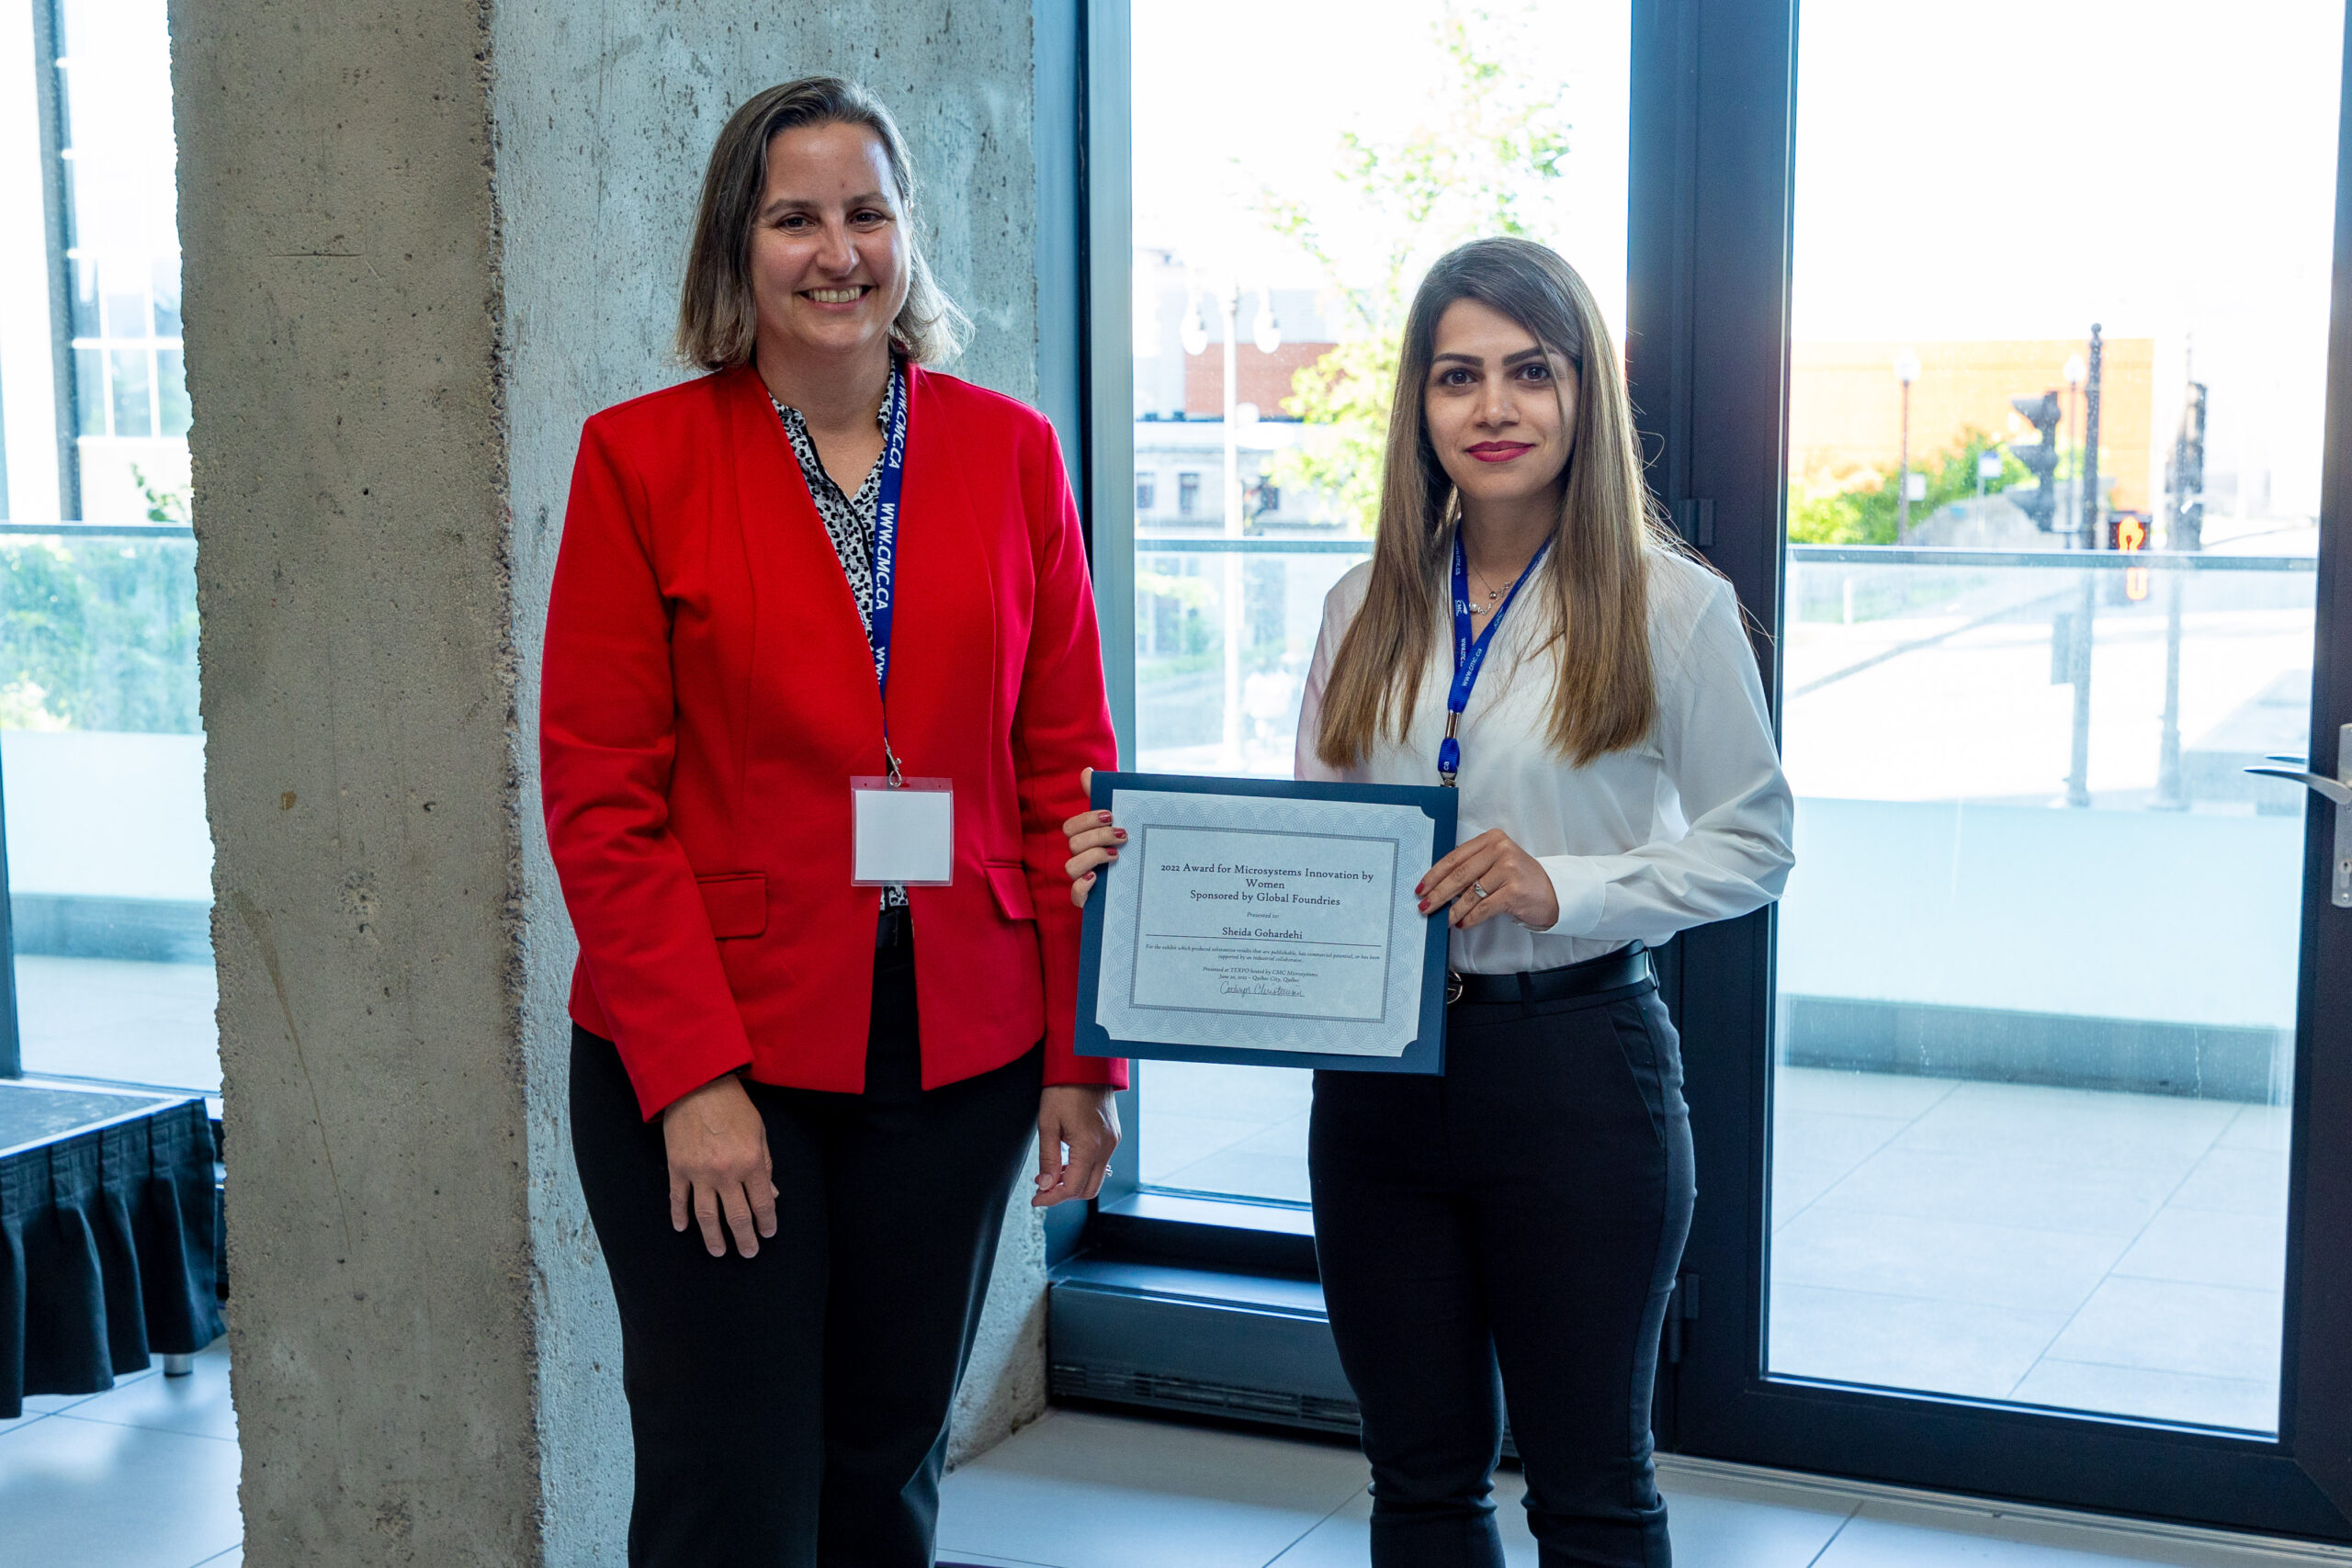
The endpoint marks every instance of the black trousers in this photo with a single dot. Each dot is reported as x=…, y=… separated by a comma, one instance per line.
x=790, y=1410
x=1524, y=1214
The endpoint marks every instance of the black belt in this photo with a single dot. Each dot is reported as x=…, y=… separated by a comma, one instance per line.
x=893, y=929
x=1629, y=965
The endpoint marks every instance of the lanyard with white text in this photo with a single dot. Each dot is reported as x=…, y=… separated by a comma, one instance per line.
x=886, y=550
x=1469, y=656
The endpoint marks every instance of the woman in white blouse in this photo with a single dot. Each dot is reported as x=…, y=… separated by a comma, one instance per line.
x=1588, y=688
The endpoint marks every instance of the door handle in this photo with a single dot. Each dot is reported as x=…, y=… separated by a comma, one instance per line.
x=2339, y=791
x=2317, y=784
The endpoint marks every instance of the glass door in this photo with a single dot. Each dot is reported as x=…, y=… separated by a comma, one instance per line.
x=2052, y=533
x=2031, y=1110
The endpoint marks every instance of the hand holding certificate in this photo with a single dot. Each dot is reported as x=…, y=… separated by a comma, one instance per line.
x=1266, y=922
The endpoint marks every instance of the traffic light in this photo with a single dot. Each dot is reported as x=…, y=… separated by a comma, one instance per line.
x=2041, y=459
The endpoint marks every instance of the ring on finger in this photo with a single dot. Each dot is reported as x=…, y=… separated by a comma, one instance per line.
x=1481, y=892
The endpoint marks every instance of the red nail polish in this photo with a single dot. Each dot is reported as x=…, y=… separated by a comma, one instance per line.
x=1119, y=833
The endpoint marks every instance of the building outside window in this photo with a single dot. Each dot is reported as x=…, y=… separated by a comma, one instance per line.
x=1147, y=488
x=1188, y=494
x=101, y=748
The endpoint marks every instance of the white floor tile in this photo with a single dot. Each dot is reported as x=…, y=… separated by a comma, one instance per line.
x=2163, y=1325
x=1942, y=1259
x=1888, y=1534
x=1905, y=1342
x=2237, y=1181
x=1177, y=1142
x=2071, y=1126
x=1728, y=1522
x=86, y=1493
x=110, y=1018
x=2114, y=1199
x=1078, y=1490
x=2260, y=1127
x=1831, y=1135
x=1857, y=1094
x=2212, y=1247
x=2246, y=1404
x=1798, y=1183
x=1344, y=1540
x=197, y=1404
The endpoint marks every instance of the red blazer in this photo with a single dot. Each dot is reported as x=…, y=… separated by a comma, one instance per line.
x=708, y=695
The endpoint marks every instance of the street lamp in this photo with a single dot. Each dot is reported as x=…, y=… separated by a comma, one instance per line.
x=1266, y=332
x=2075, y=373
x=1906, y=370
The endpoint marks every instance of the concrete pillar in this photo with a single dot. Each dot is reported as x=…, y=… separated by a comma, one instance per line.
x=424, y=240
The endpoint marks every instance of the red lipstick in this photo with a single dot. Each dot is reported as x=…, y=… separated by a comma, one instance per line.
x=1500, y=451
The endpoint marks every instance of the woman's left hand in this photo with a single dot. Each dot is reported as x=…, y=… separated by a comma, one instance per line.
x=1514, y=883
x=1086, y=1119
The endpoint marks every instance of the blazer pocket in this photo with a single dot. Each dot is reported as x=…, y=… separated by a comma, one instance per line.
x=1010, y=883
x=737, y=902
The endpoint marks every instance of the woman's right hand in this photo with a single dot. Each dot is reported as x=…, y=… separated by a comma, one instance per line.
x=718, y=1166
x=1095, y=840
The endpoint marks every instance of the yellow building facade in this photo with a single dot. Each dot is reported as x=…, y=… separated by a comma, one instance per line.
x=1846, y=406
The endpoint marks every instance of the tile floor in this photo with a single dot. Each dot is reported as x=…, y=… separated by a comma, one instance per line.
x=141, y=1476
x=119, y=1020
x=2090, y=1250
x=146, y=1476
x=1082, y=1490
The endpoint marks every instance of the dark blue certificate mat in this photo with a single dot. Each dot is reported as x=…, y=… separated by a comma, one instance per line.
x=1427, y=1052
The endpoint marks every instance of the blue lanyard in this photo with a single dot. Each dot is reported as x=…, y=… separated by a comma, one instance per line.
x=1470, y=657
x=885, y=548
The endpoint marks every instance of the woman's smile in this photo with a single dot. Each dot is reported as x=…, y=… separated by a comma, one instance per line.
x=1499, y=451
x=848, y=296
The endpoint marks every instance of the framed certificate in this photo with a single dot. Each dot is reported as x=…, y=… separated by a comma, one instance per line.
x=1267, y=923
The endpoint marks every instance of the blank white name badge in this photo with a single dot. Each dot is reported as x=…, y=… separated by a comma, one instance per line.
x=904, y=835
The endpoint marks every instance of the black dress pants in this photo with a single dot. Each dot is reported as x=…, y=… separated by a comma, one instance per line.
x=1524, y=1213
x=790, y=1409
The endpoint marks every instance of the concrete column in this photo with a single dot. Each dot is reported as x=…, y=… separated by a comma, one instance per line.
x=422, y=241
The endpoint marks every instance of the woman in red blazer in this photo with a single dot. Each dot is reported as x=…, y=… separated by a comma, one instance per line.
x=840, y=1078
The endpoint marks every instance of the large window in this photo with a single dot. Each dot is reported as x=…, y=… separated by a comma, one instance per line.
x=2038, y=960
x=101, y=748
x=1296, y=170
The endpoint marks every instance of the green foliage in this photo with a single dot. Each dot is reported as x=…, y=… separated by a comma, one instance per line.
x=1859, y=507
x=98, y=634
x=1481, y=164
x=163, y=505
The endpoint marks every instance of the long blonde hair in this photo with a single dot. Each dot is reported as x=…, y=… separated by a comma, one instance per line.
x=1596, y=576
x=718, y=321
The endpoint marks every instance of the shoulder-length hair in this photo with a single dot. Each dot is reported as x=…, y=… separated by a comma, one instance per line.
x=1595, y=582
x=718, y=321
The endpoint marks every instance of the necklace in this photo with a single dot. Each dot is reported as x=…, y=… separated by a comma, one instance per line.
x=1493, y=593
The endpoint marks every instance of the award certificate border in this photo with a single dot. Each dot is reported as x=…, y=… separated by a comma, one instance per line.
x=1426, y=1052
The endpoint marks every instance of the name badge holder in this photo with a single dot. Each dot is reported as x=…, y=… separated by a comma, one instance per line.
x=902, y=829
x=904, y=832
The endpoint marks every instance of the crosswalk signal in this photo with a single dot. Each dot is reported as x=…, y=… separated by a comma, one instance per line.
x=2040, y=459
x=2127, y=532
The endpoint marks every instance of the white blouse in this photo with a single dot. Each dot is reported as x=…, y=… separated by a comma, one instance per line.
x=1689, y=827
